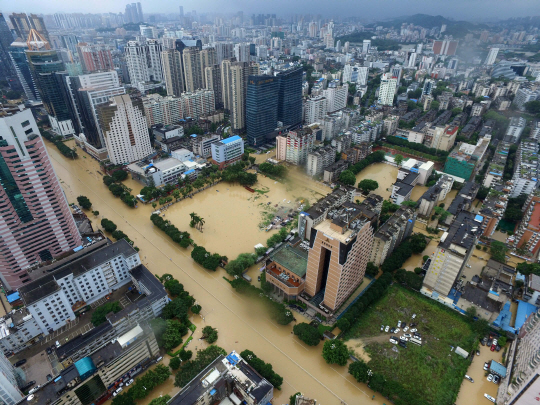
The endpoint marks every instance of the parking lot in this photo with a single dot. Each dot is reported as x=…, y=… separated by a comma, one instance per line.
x=37, y=368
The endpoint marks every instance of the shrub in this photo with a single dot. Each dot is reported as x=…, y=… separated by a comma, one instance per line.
x=174, y=363
x=307, y=333
x=84, y=202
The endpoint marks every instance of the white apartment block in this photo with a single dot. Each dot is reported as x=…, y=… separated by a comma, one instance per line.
x=198, y=103
x=524, y=96
x=299, y=144
x=144, y=62
x=336, y=97
x=319, y=160
x=125, y=130
x=316, y=109
x=491, y=56
x=51, y=299
x=228, y=150
x=355, y=74
x=387, y=89
x=525, y=177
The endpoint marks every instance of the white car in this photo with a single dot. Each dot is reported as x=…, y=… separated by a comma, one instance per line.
x=30, y=397
x=407, y=335
x=118, y=391
x=159, y=359
x=414, y=330
x=490, y=398
x=404, y=339
x=393, y=341
x=129, y=382
x=387, y=329
x=399, y=324
x=490, y=377
x=413, y=316
x=494, y=342
x=397, y=330
x=405, y=329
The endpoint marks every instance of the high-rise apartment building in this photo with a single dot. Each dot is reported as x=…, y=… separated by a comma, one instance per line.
x=336, y=96
x=10, y=394
x=144, y=62
x=241, y=52
x=339, y=250
x=316, y=109
x=46, y=68
x=208, y=57
x=7, y=70
x=355, y=74
x=451, y=256
x=94, y=57
x=23, y=23
x=193, y=73
x=387, y=89
x=173, y=73
x=261, y=108
x=299, y=144
x=86, y=93
x=212, y=78
x=491, y=56
x=366, y=46
x=35, y=218
x=134, y=13
x=234, y=76
x=224, y=50
x=446, y=47
x=290, y=96
x=124, y=127
x=428, y=87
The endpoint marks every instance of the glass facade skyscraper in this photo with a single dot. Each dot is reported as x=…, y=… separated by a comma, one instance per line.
x=17, y=52
x=290, y=96
x=261, y=108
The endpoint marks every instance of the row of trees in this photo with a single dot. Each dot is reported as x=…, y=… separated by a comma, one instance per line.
x=235, y=174
x=414, y=244
x=182, y=238
x=273, y=170
x=196, y=221
x=264, y=369
x=143, y=385
x=394, y=140
x=237, y=266
x=117, y=234
x=190, y=368
x=84, y=202
x=278, y=312
x=308, y=333
x=118, y=189
x=209, y=261
x=61, y=146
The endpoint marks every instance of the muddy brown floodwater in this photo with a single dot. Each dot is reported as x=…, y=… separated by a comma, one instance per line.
x=383, y=174
x=241, y=323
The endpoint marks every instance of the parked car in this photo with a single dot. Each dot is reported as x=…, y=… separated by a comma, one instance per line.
x=407, y=335
x=478, y=352
x=413, y=316
x=486, y=366
x=392, y=330
x=382, y=328
x=49, y=377
x=495, y=342
x=490, y=377
x=20, y=363
x=129, y=382
x=492, y=348
x=118, y=391
x=159, y=359
x=387, y=329
x=469, y=378
x=397, y=330
x=496, y=379
x=393, y=341
x=414, y=330
x=49, y=350
x=36, y=388
x=405, y=329
x=412, y=325
x=498, y=348
x=402, y=344
x=490, y=342
x=399, y=324
x=490, y=398
x=484, y=341
x=403, y=324
x=30, y=397
x=28, y=385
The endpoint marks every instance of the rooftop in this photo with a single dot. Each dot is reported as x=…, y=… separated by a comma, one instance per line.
x=230, y=139
x=292, y=259
x=462, y=232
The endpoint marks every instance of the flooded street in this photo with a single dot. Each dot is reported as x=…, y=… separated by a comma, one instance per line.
x=473, y=393
x=242, y=325
x=383, y=174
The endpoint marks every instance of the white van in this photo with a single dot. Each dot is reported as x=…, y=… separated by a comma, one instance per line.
x=118, y=391
x=57, y=344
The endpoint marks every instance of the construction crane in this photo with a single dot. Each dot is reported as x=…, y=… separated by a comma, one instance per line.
x=36, y=41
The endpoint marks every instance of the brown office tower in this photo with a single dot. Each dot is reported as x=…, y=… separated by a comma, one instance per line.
x=339, y=251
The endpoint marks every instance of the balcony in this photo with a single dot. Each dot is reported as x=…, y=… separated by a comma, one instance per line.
x=280, y=280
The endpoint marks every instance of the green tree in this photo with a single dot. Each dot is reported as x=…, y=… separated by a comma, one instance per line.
x=371, y=269
x=498, y=251
x=292, y=398
x=409, y=203
x=434, y=105
x=368, y=185
x=210, y=334
x=120, y=175
x=532, y=107
x=84, y=202
x=99, y=315
x=108, y=225
x=307, y=333
x=196, y=309
x=398, y=159
x=425, y=258
x=165, y=398
x=173, y=334
x=471, y=312
x=174, y=287
x=335, y=352
x=174, y=363
x=96, y=213
x=359, y=370
x=124, y=399
x=482, y=193
x=185, y=355
x=347, y=177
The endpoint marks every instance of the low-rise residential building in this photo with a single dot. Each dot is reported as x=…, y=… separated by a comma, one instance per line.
x=227, y=380
x=390, y=125
x=472, y=126
x=403, y=187
x=527, y=235
x=526, y=171
x=356, y=153
x=201, y=145
x=465, y=158
x=227, y=151
x=320, y=159
x=158, y=173
x=464, y=199
x=342, y=142
x=424, y=169
x=286, y=271
x=450, y=257
x=433, y=195
x=493, y=207
x=332, y=172
x=494, y=174
x=398, y=227
x=169, y=137
x=502, y=103
x=515, y=129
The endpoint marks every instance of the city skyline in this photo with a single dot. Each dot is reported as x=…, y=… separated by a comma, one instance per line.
x=480, y=10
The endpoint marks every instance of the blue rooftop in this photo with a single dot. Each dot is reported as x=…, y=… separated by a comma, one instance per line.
x=189, y=171
x=13, y=297
x=479, y=218
x=503, y=320
x=233, y=359
x=498, y=368
x=231, y=139
x=85, y=367
x=523, y=312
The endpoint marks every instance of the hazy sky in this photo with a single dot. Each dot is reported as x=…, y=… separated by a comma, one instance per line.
x=370, y=9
